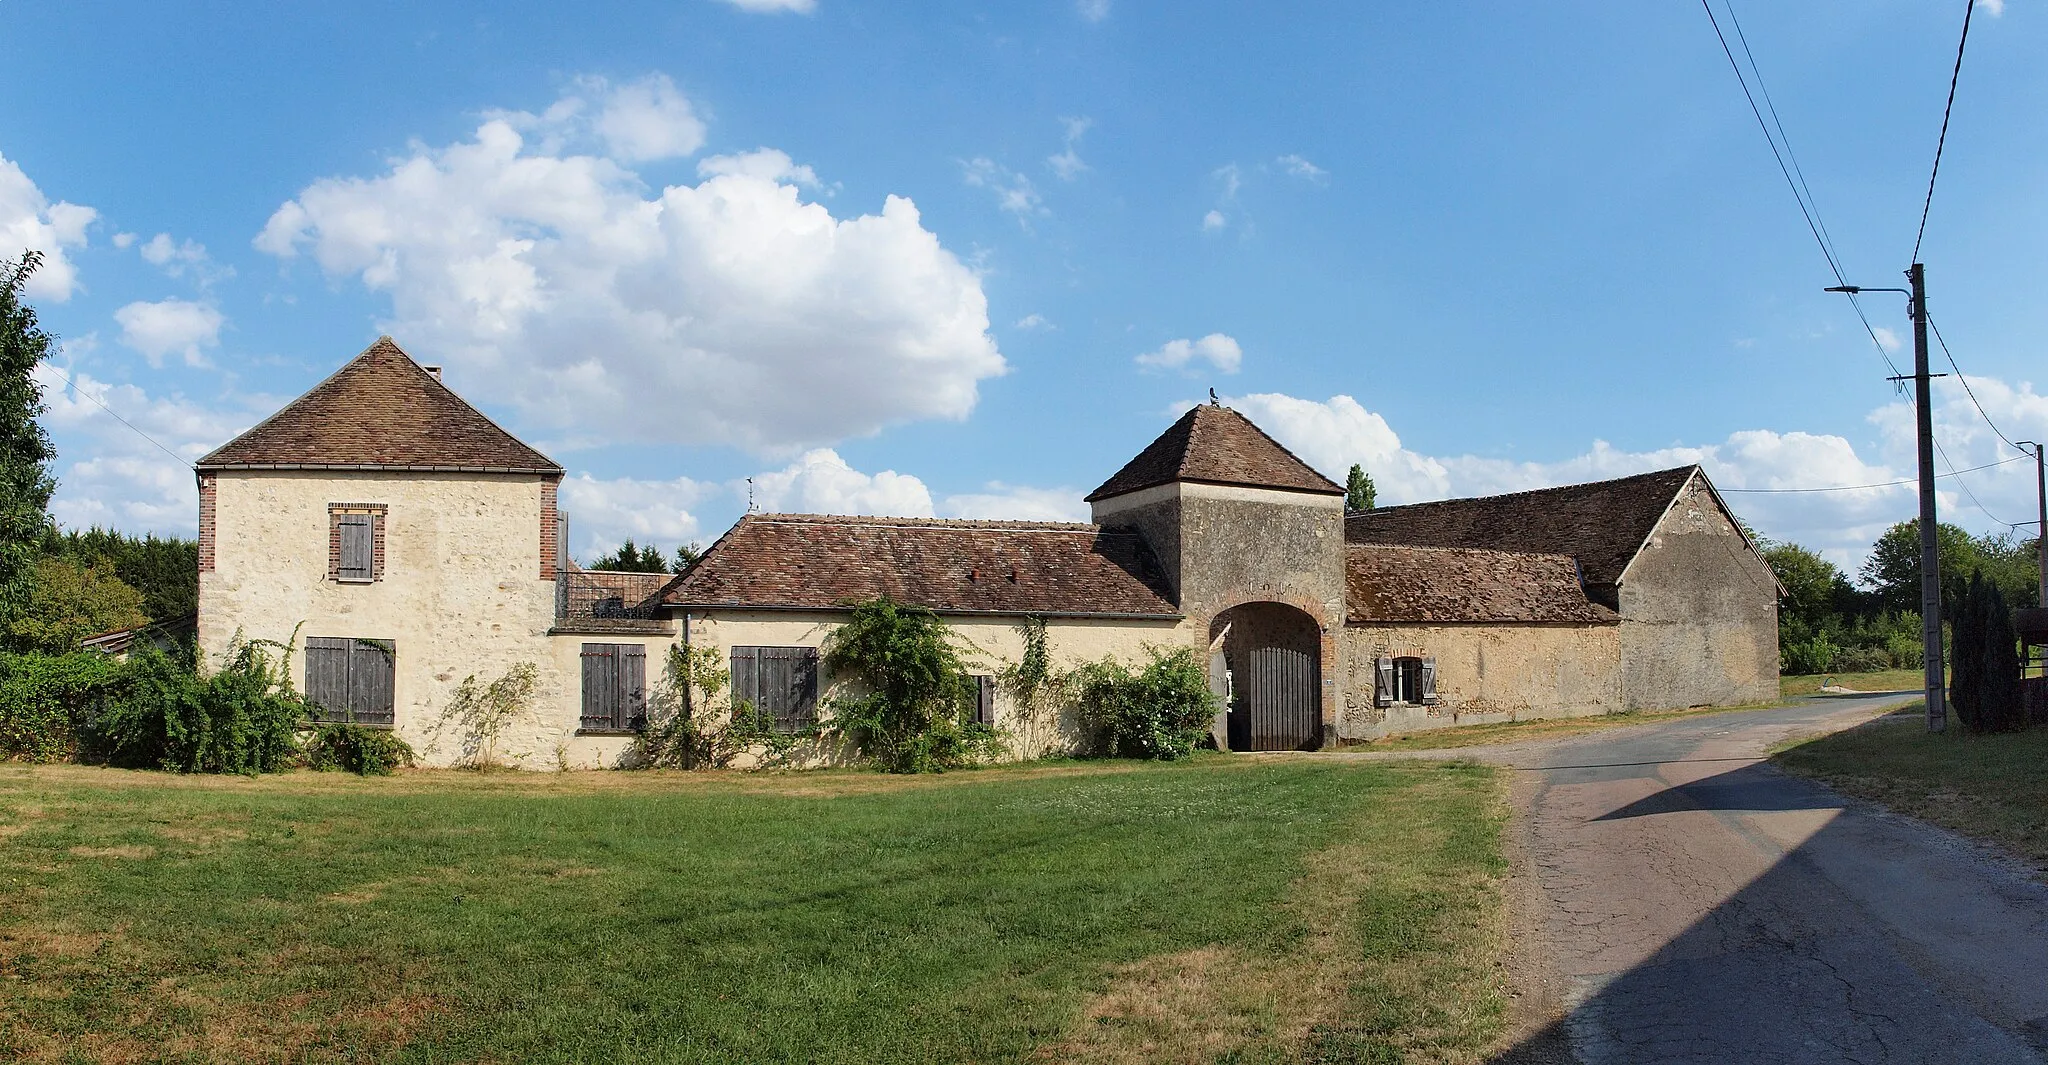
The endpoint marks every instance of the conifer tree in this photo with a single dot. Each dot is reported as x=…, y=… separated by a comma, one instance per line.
x=1359, y=491
x=25, y=451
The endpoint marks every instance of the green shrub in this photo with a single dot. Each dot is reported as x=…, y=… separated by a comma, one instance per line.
x=915, y=715
x=239, y=719
x=356, y=749
x=1163, y=710
x=1814, y=654
x=691, y=724
x=1862, y=660
x=43, y=697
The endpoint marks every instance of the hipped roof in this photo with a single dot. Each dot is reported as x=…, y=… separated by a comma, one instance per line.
x=823, y=562
x=1216, y=445
x=1602, y=524
x=381, y=410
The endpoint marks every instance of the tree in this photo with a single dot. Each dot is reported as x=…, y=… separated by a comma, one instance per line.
x=687, y=555
x=1359, y=491
x=70, y=602
x=631, y=558
x=1816, y=592
x=25, y=451
x=164, y=569
x=1984, y=684
x=1893, y=569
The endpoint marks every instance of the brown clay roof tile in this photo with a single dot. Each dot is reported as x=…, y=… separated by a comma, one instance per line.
x=1216, y=445
x=1397, y=583
x=821, y=562
x=1602, y=524
x=381, y=410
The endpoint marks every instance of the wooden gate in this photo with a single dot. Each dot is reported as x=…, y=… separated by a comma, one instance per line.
x=1283, y=704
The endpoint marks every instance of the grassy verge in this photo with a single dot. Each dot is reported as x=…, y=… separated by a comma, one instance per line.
x=1890, y=680
x=1994, y=788
x=1219, y=910
x=1540, y=729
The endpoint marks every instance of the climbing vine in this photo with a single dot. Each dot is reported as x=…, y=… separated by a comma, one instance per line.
x=915, y=712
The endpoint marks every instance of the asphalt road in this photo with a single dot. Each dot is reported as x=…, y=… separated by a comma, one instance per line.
x=1682, y=901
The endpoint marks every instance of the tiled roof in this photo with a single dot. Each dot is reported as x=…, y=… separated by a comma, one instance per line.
x=1391, y=582
x=1216, y=445
x=380, y=411
x=1602, y=524
x=809, y=561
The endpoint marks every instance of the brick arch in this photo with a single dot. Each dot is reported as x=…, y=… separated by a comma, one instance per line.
x=1235, y=642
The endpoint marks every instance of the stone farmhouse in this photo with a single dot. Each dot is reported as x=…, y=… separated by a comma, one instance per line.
x=399, y=541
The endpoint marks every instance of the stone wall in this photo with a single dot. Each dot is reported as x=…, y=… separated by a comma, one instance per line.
x=1485, y=673
x=990, y=643
x=460, y=594
x=1699, y=613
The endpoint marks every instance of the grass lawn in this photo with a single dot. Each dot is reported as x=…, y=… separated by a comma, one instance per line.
x=1992, y=787
x=1225, y=909
x=1538, y=729
x=1890, y=680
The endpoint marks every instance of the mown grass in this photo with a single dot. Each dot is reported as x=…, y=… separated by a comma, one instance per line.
x=1993, y=788
x=1890, y=680
x=1343, y=911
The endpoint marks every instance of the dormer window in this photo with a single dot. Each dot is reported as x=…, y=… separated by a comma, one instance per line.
x=355, y=542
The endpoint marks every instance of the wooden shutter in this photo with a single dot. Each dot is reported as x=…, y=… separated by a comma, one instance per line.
x=746, y=679
x=356, y=547
x=632, y=686
x=600, y=685
x=372, y=671
x=985, y=701
x=327, y=675
x=1427, y=685
x=1383, y=683
x=805, y=689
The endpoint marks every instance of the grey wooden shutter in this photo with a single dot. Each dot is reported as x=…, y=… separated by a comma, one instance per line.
x=600, y=685
x=805, y=712
x=746, y=679
x=632, y=686
x=1428, y=682
x=356, y=553
x=985, y=701
x=327, y=675
x=372, y=671
x=1383, y=683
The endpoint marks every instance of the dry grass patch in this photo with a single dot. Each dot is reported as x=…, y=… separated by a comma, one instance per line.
x=1458, y=736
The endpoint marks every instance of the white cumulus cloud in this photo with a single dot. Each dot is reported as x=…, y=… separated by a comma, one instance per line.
x=1213, y=221
x=998, y=501
x=820, y=482
x=1092, y=10
x=603, y=513
x=647, y=120
x=1216, y=349
x=30, y=222
x=1013, y=191
x=171, y=326
x=1296, y=166
x=732, y=311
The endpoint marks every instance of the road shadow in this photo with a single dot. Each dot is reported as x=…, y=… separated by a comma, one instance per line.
x=1807, y=962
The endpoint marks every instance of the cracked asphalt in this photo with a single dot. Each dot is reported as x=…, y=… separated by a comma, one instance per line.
x=1683, y=901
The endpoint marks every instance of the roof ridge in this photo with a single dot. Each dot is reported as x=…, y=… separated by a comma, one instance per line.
x=1378, y=545
x=1524, y=492
x=893, y=521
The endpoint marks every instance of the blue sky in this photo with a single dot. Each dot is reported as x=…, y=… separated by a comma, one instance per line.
x=966, y=259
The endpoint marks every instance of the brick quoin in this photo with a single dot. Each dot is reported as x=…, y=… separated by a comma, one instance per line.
x=206, y=532
x=550, y=529
x=377, y=512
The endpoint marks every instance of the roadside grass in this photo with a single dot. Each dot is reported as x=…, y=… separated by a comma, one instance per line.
x=1217, y=910
x=1889, y=680
x=1538, y=729
x=1993, y=788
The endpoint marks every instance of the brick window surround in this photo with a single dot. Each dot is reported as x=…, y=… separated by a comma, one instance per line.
x=206, y=530
x=339, y=514
x=550, y=528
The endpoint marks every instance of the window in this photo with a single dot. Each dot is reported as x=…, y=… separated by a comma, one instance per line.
x=350, y=679
x=614, y=687
x=777, y=682
x=355, y=542
x=1407, y=679
x=985, y=701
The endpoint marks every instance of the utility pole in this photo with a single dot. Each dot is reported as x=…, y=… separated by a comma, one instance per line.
x=1934, y=679
x=2041, y=524
x=1930, y=531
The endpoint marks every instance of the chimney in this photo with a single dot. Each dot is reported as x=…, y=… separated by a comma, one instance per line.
x=435, y=370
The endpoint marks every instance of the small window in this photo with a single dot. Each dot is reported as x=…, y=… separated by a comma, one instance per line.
x=779, y=683
x=985, y=701
x=614, y=687
x=351, y=679
x=1407, y=679
x=355, y=542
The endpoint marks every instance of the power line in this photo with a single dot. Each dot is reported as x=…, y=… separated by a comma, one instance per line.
x=180, y=459
x=1967, y=390
x=1807, y=208
x=1953, y=472
x=1953, y=77
x=1965, y=485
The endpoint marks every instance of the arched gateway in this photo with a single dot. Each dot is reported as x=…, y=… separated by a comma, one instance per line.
x=1269, y=656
